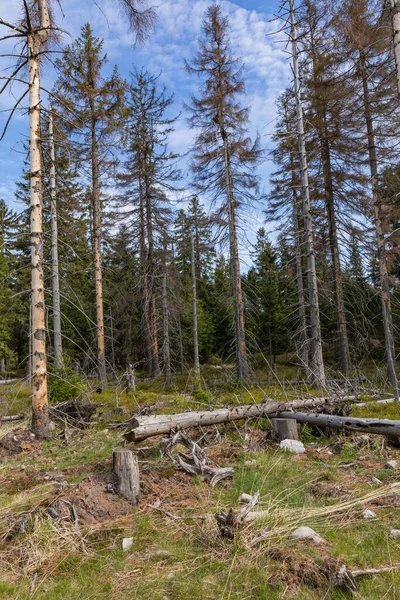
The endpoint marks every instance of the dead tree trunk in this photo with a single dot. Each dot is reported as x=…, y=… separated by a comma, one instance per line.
x=240, y=339
x=96, y=209
x=140, y=428
x=130, y=379
x=194, y=309
x=166, y=344
x=379, y=232
x=284, y=429
x=126, y=470
x=396, y=37
x=386, y=427
x=35, y=40
x=54, y=251
x=317, y=361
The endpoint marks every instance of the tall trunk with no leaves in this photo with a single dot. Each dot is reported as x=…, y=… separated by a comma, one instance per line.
x=240, y=340
x=40, y=419
x=379, y=233
x=396, y=37
x=317, y=361
x=96, y=208
x=194, y=307
x=166, y=345
x=54, y=251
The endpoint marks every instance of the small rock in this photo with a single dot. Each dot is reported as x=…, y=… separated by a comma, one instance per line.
x=52, y=426
x=376, y=481
x=391, y=464
x=369, y=514
x=306, y=533
x=394, y=533
x=22, y=468
x=250, y=463
x=293, y=446
x=127, y=543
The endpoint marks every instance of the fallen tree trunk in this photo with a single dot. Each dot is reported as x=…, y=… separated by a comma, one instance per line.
x=11, y=418
x=140, y=428
x=385, y=427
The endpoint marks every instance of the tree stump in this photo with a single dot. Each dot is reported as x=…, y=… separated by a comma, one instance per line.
x=126, y=469
x=130, y=385
x=284, y=429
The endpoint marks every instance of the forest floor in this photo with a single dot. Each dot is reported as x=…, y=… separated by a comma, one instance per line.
x=177, y=552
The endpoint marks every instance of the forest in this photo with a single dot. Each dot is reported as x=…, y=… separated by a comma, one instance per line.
x=165, y=365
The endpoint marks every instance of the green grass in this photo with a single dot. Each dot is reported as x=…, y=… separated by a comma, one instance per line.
x=200, y=565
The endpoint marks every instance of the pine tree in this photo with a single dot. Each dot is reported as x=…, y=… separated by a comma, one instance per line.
x=224, y=158
x=93, y=107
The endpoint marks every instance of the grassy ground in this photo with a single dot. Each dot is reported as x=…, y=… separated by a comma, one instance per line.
x=177, y=552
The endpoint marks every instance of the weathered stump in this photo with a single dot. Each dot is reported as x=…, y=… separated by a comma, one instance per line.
x=126, y=469
x=284, y=429
x=130, y=384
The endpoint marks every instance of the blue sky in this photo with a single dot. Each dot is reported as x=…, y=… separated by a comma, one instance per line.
x=175, y=37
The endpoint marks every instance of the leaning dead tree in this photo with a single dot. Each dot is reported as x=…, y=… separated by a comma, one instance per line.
x=194, y=310
x=317, y=361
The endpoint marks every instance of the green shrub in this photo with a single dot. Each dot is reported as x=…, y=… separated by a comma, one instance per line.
x=215, y=361
x=64, y=384
x=200, y=395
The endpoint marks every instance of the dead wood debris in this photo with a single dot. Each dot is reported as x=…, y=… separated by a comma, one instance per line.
x=229, y=523
x=198, y=463
x=73, y=413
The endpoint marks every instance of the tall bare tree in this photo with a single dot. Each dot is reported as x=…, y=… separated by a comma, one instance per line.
x=194, y=311
x=317, y=361
x=36, y=28
x=224, y=158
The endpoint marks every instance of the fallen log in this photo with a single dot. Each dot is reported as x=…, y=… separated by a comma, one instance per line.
x=11, y=418
x=140, y=428
x=386, y=427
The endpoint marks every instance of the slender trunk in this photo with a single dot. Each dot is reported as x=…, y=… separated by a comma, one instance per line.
x=180, y=336
x=152, y=314
x=194, y=306
x=335, y=256
x=2, y=366
x=380, y=239
x=396, y=38
x=54, y=251
x=145, y=281
x=298, y=242
x=240, y=340
x=101, y=357
x=166, y=345
x=323, y=136
x=112, y=346
x=317, y=361
x=40, y=418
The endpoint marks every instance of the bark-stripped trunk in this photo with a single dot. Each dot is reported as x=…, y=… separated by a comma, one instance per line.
x=40, y=417
x=166, y=345
x=96, y=207
x=380, y=239
x=145, y=282
x=396, y=38
x=299, y=242
x=317, y=361
x=240, y=339
x=54, y=251
x=194, y=309
x=181, y=354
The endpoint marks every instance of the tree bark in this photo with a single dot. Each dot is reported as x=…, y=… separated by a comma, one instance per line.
x=386, y=427
x=194, y=309
x=166, y=344
x=284, y=429
x=317, y=361
x=140, y=428
x=40, y=417
x=130, y=379
x=240, y=339
x=96, y=207
x=126, y=469
x=379, y=232
x=54, y=251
